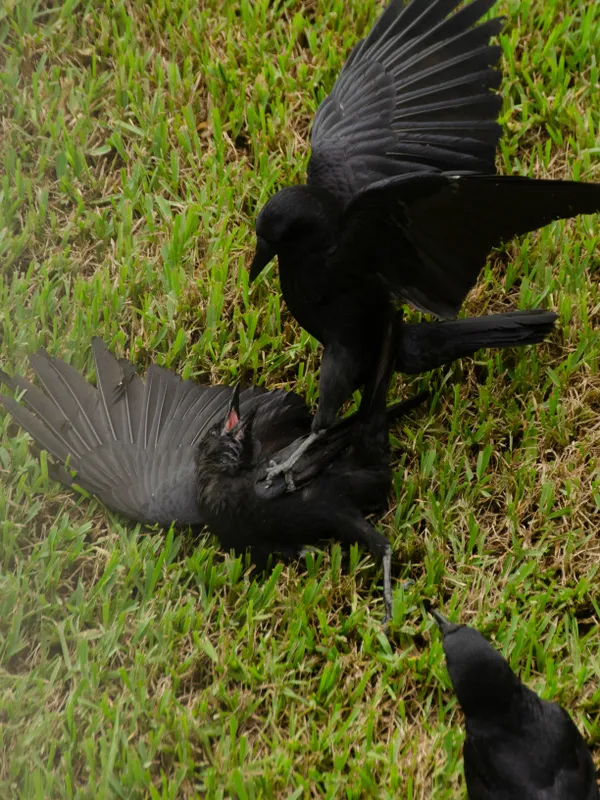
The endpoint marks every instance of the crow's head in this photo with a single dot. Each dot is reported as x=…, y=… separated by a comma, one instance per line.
x=294, y=219
x=227, y=448
x=483, y=681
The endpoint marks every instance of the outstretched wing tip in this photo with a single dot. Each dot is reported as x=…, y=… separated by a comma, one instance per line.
x=419, y=92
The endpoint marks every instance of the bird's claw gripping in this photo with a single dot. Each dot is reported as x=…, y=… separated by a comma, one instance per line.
x=285, y=467
x=274, y=469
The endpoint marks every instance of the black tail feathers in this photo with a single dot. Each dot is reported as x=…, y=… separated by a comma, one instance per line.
x=423, y=347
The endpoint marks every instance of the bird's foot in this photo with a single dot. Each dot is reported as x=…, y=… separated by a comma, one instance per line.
x=285, y=467
x=387, y=587
x=387, y=599
x=274, y=469
x=306, y=551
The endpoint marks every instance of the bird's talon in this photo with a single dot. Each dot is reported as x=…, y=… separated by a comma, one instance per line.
x=273, y=470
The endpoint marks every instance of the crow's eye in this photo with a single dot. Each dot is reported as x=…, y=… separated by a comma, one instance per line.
x=299, y=227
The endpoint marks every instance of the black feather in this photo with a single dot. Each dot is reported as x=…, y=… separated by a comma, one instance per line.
x=185, y=466
x=517, y=745
x=402, y=203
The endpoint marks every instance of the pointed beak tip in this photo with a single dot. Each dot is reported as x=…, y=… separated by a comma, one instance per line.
x=263, y=254
x=233, y=407
x=254, y=272
x=235, y=398
x=441, y=621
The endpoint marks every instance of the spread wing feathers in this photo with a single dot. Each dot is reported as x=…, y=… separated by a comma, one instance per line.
x=434, y=232
x=418, y=94
x=130, y=442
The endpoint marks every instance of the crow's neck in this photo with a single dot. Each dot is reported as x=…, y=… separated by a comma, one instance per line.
x=508, y=713
x=306, y=266
x=307, y=252
x=218, y=491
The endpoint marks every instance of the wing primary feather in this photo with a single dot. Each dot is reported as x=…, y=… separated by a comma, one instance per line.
x=120, y=389
x=159, y=409
x=399, y=21
x=148, y=405
x=42, y=430
x=109, y=382
x=51, y=414
x=445, y=28
x=133, y=391
x=478, y=108
x=162, y=389
x=428, y=69
x=77, y=399
x=117, y=442
x=432, y=16
x=461, y=48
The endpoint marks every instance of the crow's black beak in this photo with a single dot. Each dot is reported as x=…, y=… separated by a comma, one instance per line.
x=232, y=417
x=443, y=624
x=264, y=253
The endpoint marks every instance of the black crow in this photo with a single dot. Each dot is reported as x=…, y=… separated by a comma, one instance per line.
x=402, y=202
x=518, y=747
x=165, y=450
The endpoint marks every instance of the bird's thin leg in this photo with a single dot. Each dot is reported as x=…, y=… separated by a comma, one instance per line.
x=379, y=547
x=387, y=584
x=274, y=469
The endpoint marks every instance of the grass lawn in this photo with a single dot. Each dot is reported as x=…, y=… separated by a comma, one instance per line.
x=137, y=139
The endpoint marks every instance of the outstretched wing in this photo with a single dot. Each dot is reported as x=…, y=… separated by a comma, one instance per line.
x=416, y=95
x=131, y=442
x=429, y=235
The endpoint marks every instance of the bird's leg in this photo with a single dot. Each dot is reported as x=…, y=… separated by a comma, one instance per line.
x=274, y=469
x=379, y=547
x=387, y=583
x=339, y=376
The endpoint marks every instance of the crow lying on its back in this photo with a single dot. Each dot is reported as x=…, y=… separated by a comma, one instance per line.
x=402, y=202
x=165, y=450
x=518, y=747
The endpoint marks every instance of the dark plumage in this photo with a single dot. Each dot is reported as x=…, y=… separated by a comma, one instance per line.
x=166, y=450
x=518, y=746
x=402, y=202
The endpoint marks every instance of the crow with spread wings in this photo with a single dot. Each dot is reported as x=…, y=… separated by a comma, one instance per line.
x=167, y=450
x=403, y=203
